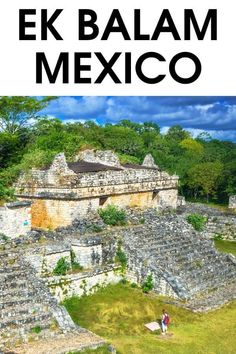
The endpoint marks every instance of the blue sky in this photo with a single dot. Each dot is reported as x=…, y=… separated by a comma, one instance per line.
x=217, y=115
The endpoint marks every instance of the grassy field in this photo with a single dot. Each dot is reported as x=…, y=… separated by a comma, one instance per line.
x=118, y=314
x=100, y=350
x=226, y=246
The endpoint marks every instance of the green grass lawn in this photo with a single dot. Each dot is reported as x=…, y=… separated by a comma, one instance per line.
x=226, y=246
x=118, y=314
x=100, y=350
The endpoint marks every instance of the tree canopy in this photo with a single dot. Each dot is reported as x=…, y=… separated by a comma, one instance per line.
x=17, y=111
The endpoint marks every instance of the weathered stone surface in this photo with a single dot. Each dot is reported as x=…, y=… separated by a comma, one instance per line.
x=25, y=301
x=219, y=222
x=83, y=283
x=15, y=219
x=149, y=161
x=181, y=201
x=107, y=157
x=232, y=202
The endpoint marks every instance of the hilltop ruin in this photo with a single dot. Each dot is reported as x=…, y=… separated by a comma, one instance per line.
x=65, y=191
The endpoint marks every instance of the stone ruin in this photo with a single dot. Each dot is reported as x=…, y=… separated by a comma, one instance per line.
x=184, y=263
x=62, y=192
x=232, y=202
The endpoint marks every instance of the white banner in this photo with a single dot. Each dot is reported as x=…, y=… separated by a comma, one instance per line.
x=130, y=61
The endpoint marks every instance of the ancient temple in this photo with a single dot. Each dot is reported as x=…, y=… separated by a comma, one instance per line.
x=65, y=190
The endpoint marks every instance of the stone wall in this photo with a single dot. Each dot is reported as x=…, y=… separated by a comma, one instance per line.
x=141, y=200
x=219, y=221
x=88, y=254
x=224, y=226
x=51, y=214
x=82, y=283
x=91, y=184
x=15, y=219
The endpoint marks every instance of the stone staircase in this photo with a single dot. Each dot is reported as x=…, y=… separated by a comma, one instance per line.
x=169, y=248
x=28, y=311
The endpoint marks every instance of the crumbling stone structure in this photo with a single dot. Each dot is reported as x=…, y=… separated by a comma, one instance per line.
x=65, y=191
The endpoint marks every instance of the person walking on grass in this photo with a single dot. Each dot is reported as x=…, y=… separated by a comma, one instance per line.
x=165, y=320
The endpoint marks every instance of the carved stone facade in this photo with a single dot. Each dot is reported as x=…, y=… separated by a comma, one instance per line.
x=66, y=191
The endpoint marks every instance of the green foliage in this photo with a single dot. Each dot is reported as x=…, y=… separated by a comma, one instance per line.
x=142, y=221
x=121, y=257
x=205, y=178
x=95, y=228
x=6, y=194
x=4, y=238
x=112, y=215
x=217, y=237
x=123, y=281
x=197, y=221
x=16, y=111
x=128, y=159
x=133, y=285
x=62, y=267
x=36, y=329
x=148, y=284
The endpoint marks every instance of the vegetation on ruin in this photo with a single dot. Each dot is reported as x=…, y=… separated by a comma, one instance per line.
x=226, y=246
x=148, y=285
x=62, y=267
x=75, y=266
x=118, y=314
x=121, y=257
x=66, y=266
x=197, y=221
x=36, y=329
x=206, y=166
x=112, y=215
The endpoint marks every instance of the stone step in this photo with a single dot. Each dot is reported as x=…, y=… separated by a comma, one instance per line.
x=14, y=284
x=29, y=319
x=60, y=343
x=13, y=293
x=18, y=273
x=10, y=269
x=213, y=299
x=12, y=338
x=22, y=309
x=15, y=301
